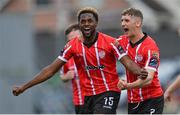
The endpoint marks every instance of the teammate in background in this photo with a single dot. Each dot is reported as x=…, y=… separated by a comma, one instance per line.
x=145, y=96
x=95, y=58
x=69, y=71
x=174, y=86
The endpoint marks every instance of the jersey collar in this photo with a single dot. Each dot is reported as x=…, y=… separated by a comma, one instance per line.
x=90, y=44
x=138, y=42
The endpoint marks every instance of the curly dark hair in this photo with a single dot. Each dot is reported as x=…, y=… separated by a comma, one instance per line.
x=88, y=10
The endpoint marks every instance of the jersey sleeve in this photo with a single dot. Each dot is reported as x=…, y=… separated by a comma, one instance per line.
x=152, y=59
x=67, y=52
x=123, y=42
x=118, y=49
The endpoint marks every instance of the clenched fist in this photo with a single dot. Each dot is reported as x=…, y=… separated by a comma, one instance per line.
x=17, y=90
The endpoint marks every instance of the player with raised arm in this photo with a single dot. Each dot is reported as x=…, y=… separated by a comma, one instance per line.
x=95, y=58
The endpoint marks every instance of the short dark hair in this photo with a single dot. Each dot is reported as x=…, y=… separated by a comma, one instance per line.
x=71, y=28
x=88, y=10
x=133, y=12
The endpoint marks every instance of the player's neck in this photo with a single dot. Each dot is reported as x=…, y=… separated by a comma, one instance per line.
x=136, y=37
x=90, y=41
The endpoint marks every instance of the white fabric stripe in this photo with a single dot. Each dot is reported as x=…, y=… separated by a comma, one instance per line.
x=131, y=90
x=147, y=63
x=119, y=55
x=61, y=58
x=140, y=89
x=140, y=94
x=151, y=68
x=131, y=95
x=79, y=92
x=78, y=84
x=85, y=62
x=127, y=49
x=149, y=56
x=102, y=73
x=119, y=38
x=137, y=49
x=75, y=70
x=66, y=51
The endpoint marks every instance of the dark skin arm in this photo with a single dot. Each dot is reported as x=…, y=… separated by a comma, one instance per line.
x=133, y=67
x=42, y=76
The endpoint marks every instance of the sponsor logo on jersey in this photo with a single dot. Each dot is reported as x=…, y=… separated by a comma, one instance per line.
x=94, y=67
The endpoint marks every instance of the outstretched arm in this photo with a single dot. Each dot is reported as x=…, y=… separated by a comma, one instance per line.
x=174, y=86
x=42, y=76
x=133, y=67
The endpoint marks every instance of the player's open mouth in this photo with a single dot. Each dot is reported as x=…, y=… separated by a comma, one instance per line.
x=126, y=29
x=87, y=30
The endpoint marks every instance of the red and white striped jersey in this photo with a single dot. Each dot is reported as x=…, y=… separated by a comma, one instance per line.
x=96, y=65
x=146, y=54
x=78, y=98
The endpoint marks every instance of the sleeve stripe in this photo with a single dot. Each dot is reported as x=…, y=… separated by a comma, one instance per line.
x=151, y=68
x=66, y=51
x=61, y=58
x=148, y=58
x=147, y=63
x=119, y=38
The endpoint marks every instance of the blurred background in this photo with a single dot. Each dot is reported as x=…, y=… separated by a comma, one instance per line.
x=32, y=36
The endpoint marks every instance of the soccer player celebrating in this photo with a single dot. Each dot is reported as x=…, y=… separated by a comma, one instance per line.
x=69, y=71
x=95, y=58
x=145, y=96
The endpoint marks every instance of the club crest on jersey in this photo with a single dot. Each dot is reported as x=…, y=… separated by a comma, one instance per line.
x=101, y=54
x=139, y=58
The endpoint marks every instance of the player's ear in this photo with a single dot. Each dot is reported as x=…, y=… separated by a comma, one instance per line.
x=138, y=22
